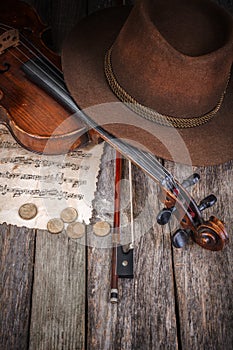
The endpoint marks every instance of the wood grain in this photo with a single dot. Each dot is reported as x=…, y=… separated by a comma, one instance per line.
x=177, y=299
x=16, y=278
x=145, y=317
x=204, y=279
x=58, y=300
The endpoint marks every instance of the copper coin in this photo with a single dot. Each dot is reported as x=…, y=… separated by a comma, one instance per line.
x=69, y=214
x=55, y=225
x=75, y=230
x=101, y=228
x=27, y=211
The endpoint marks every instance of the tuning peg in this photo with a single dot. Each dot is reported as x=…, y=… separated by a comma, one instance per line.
x=164, y=215
x=207, y=202
x=180, y=238
x=191, y=180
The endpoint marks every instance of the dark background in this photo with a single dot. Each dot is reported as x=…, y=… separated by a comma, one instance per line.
x=61, y=15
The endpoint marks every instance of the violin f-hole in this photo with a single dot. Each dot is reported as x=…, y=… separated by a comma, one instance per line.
x=7, y=67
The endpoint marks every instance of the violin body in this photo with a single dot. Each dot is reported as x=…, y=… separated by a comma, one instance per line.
x=36, y=120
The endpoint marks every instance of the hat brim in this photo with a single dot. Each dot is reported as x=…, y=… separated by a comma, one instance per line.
x=83, y=66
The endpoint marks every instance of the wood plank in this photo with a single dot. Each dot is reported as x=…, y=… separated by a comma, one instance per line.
x=204, y=279
x=145, y=317
x=16, y=278
x=58, y=300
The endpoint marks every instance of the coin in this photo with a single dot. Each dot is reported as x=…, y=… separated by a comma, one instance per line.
x=75, y=230
x=101, y=228
x=55, y=225
x=69, y=214
x=27, y=211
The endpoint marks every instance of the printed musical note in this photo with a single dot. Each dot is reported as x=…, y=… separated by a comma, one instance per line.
x=50, y=182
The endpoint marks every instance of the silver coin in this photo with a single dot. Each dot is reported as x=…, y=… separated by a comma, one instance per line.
x=69, y=214
x=101, y=228
x=55, y=225
x=75, y=230
x=27, y=211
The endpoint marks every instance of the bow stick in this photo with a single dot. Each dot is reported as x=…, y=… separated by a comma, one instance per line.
x=116, y=225
x=209, y=234
x=122, y=259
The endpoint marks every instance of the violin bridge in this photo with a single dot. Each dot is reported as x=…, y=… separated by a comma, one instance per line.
x=8, y=39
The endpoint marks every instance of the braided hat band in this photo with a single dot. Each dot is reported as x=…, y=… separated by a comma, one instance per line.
x=150, y=114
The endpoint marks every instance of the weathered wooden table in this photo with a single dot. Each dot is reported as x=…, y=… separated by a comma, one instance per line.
x=54, y=292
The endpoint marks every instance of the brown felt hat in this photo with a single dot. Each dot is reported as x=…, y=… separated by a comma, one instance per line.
x=158, y=75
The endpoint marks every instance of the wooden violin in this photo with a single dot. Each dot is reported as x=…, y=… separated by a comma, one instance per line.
x=35, y=103
x=32, y=116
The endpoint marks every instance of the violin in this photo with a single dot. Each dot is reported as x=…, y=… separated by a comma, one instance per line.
x=32, y=116
x=34, y=103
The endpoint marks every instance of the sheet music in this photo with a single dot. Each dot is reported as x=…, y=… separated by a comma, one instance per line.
x=52, y=183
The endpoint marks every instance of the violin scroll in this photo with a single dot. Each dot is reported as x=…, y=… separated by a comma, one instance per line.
x=211, y=234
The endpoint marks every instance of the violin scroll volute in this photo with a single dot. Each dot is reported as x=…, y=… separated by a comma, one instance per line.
x=211, y=234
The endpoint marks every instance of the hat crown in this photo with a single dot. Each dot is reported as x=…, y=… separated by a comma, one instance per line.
x=175, y=56
x=194, y=27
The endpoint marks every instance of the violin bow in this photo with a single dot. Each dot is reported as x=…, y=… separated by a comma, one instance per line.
x=116, y=227
x=209, y=234
x=122, y=256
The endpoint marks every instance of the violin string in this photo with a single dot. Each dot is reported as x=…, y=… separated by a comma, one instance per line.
x=44, y=60
x=39, y=67
x=62, y=88
x=49, y=67
x=37, y=53
x=5, y=26
x=143, y=159
x=147, y=155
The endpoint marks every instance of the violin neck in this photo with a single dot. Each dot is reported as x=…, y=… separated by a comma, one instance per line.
x=44, y=75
